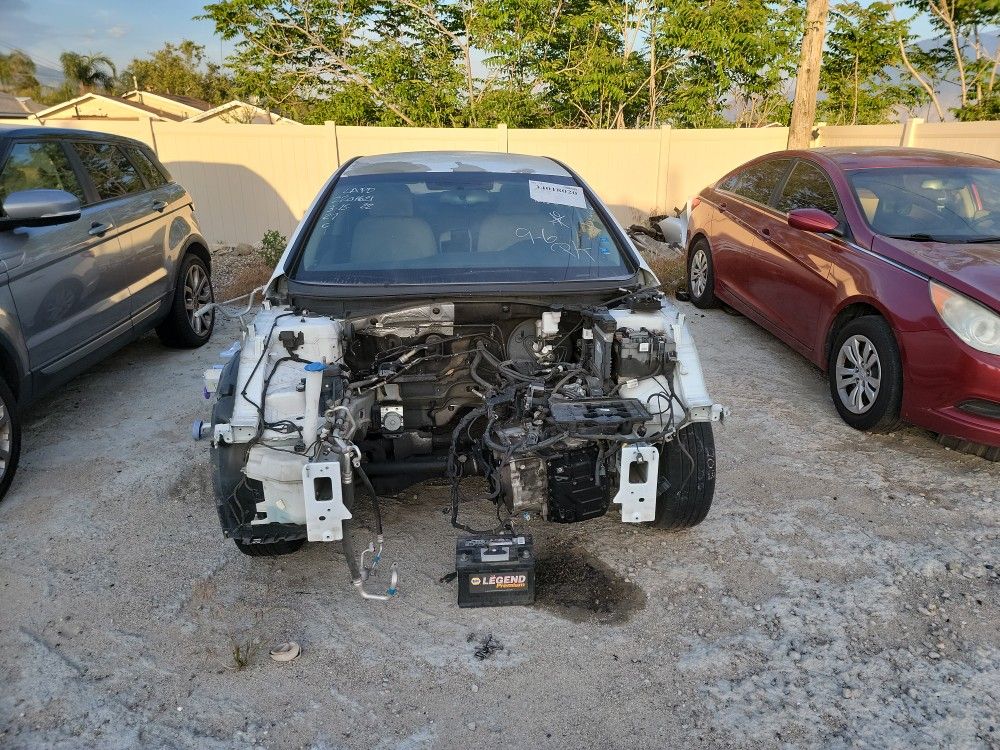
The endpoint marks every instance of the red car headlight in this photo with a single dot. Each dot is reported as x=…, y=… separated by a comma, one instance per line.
x=975, y=324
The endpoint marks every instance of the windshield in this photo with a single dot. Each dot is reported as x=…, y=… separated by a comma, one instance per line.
x=943, y=204
x=420, y=228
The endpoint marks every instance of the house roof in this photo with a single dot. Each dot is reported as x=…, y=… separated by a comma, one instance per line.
x=237, y=104
x=16, y=106
x=141, y=109
x=188, y=101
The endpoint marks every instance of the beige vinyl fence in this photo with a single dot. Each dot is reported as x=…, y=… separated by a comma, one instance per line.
x=246, y=179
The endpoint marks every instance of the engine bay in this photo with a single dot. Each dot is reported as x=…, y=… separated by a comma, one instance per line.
x=563, y=410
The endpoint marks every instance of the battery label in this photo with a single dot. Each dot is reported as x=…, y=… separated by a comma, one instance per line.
x=498, y=582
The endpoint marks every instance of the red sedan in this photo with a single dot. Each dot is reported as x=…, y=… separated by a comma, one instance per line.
x=881, y=265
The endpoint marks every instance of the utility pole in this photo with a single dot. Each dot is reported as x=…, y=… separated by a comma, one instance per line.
x=807, y=80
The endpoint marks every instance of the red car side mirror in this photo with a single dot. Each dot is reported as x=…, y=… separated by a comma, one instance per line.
x=812, y=220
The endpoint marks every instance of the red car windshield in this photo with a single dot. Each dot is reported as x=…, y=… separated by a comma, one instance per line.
x=933, y=204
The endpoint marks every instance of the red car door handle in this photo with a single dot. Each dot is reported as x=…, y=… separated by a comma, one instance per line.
x=722, y=206
x=765, y=231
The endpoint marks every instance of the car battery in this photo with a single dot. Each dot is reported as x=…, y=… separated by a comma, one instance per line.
x=495, y=571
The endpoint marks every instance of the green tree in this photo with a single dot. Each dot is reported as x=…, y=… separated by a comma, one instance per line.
x=959, y=55
x=735, y=57
x=84, y=73
x=17, y=74
x=181, y=70
x=859, y=77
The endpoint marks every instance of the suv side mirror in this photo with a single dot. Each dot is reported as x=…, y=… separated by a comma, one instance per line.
x=812, y=220
x=39, y=208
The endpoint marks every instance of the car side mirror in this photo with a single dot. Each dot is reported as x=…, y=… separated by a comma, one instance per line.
x=38, y=208
x=812, y=220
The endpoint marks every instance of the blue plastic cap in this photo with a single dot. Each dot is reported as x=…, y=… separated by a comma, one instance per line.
x=315, y=367
x=196, y=427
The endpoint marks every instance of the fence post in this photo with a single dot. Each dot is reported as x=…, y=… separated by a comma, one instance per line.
x=332, y=143
x=910, y=127
x=502, y=143
x=816, y=136
x=663, y=170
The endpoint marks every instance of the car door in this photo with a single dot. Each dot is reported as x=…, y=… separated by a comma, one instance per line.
x=65, y=279
x=151, y=255
x=743, y=202
x=136, y=214
x=790, y=275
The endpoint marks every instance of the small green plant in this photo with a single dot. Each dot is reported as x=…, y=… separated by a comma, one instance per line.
x=243, y=652
x=272, y=246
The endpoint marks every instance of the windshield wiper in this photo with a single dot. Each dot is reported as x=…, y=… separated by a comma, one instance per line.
x=918, y=237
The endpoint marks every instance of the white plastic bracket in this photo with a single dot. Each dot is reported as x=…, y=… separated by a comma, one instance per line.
x=325, y=509
x=638, y=474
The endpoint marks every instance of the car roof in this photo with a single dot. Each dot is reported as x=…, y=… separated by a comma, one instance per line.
x=881, y=157
x=20, y=131
x=455, y=161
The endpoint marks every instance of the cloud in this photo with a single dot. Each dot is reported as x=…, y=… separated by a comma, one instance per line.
x=117, y=32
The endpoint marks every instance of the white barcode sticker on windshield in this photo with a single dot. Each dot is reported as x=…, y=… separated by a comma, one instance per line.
x=553, y=192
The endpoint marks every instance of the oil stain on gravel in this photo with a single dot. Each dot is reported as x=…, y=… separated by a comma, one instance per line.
x=573, y=583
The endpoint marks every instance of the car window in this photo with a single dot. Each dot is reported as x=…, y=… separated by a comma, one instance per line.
x=458, y=227
x=153, y=176
x=32, y=166
x=112, y=173
x=758, y=181
x=946, y=204
x=808, y=187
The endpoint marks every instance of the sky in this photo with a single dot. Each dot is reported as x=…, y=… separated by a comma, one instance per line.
x=122, y=29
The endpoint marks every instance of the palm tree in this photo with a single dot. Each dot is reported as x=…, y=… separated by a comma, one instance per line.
x=88, y=72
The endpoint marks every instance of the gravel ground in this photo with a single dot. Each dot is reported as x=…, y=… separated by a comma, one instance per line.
x=842, y=593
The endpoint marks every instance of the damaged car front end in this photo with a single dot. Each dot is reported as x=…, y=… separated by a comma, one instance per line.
x=458, y=315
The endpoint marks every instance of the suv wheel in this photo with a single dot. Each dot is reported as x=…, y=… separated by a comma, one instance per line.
x=701, y=275
x=183, y=328
x=866, y=375
x=10, y=438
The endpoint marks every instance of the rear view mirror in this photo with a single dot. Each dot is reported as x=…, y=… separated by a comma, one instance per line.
x=39, y=208
x=812, y=220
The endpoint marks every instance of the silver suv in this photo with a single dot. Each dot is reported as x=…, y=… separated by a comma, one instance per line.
x=97, y=246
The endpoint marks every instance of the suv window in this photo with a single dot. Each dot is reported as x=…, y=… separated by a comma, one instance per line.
x=153, y=176
x=808, y=187
x=112, y=173
x=32, y=166
x=757, y=182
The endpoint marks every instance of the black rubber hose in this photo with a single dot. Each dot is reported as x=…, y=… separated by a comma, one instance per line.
x=348, y=541
x=376, y=508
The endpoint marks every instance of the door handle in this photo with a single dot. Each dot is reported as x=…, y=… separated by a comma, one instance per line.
x=97, y=229
x=722, y=206
x=159, y=205
x=765, y=231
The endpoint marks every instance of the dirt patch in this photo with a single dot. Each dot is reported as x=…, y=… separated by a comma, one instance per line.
x=574, y=584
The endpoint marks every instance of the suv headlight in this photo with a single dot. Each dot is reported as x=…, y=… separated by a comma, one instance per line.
x=975, y=324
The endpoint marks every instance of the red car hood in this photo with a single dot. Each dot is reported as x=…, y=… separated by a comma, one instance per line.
x=972, y=269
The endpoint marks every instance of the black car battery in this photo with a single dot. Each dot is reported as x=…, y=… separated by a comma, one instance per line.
x=495, y=571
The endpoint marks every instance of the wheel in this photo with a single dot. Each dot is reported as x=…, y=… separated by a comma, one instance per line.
x=701, y=275
x=866, y=375
x=687, y=478
x=182, y=328
x=10, y=437
x=272, y=549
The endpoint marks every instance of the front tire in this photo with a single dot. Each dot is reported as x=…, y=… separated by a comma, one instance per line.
x=701, y=275
x=865, y=373
x=182, y=328
x=687, y=478
x=10, y=437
